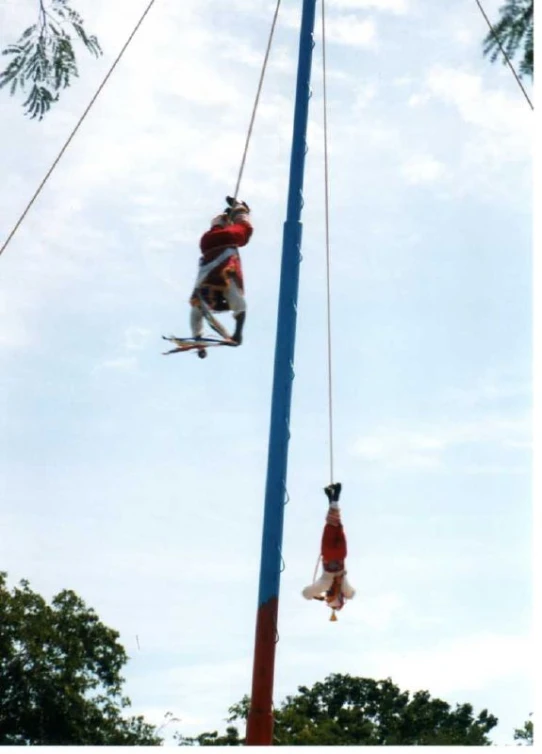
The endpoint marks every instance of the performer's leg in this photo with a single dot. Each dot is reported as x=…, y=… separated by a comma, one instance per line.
x=321, y=585
x=196, y=321
x=347, y=588
x=237, y=303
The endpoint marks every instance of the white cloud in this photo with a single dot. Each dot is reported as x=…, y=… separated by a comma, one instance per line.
x=136, y=338
x=203, y=692
x=465, y=664
x=378, y=612
x=465, y=35
x=394, y=6
x=425, y=447
x=486, y=131
x=345, y=29
x=493, y=110
x=415, y=100
x=120, y=364
x=422, y=169
x=349, y=30
x=14, y=333
x=490, y=387
x=495, y=469
x=502, y=124
x=365, y=95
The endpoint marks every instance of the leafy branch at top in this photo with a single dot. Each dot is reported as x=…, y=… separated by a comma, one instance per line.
x=43, y=59
x=514, y=33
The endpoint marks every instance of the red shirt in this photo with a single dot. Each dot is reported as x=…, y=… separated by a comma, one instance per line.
x=333, y=548
x=215, y=240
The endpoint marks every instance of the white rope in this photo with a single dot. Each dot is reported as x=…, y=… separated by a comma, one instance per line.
x=328, y=253
x=256, y=101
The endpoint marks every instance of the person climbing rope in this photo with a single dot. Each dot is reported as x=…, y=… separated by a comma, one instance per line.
x=219, y=283
x=332, y=586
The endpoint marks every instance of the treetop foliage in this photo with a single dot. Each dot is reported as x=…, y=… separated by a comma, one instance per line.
x=60, y=674
x=43, y=59
x=514, y=30
x=525, y=735
x=345, y=710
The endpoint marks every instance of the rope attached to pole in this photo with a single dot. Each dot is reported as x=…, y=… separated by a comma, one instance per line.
x=257, y=100
x=328, y=252
x=80, y=121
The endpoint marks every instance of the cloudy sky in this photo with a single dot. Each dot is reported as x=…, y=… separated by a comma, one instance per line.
x=138, y=480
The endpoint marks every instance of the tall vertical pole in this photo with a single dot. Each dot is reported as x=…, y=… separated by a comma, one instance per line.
x=260, y=718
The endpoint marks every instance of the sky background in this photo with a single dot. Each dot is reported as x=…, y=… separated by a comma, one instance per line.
x=138, y=480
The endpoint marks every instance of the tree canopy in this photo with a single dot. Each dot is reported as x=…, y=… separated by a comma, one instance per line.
x=524, y=736
x=43, y=60
x=344, y=710
x=514, y=31
x=60, y=675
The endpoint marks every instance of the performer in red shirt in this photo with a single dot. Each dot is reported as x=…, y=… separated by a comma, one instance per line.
x=220, y=277
x=332, y=586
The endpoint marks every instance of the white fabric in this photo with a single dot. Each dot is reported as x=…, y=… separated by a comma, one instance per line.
x=322, y=585
x=196, y=321
x=347, y=589
x=240, y=216
x=220, y=220
x=205, y=269
x=234, y=297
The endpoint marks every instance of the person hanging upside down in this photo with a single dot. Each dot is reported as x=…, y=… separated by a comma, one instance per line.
x=220, y=276
x=332, y=586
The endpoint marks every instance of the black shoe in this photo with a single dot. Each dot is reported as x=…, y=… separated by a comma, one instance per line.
x=237, y=336
x=333, y=492
x=202, y=353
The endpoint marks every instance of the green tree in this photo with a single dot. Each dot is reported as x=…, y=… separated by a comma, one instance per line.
x=231, y=738
x=514, y=30
x=43, y=59
x=525, y=734
x=349, y=711
x=60, y=681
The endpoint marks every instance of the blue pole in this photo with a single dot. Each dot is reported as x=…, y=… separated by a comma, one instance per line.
x=260, y=718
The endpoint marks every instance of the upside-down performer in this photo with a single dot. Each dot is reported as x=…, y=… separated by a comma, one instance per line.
x=220, y=276
x=332, y=587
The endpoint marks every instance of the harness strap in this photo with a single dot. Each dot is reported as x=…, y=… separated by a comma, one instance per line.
x=205, y=269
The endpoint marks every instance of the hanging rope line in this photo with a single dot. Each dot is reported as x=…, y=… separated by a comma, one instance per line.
x=482, y=11
x=81, y=119
x=328, y=253
x=257, y=100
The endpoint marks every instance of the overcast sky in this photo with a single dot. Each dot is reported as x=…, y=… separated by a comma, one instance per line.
x=138, y=480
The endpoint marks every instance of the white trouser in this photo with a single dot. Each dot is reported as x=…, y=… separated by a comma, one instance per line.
x=324, y=583
x=236, y=302
x=321, y=585
x=234, y=297
x=196, y=322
